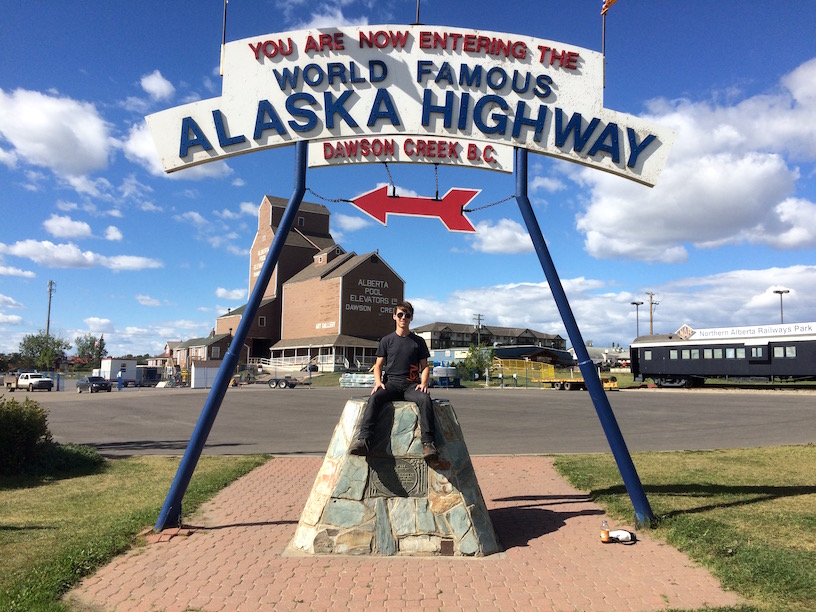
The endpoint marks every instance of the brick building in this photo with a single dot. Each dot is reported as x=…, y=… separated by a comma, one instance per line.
x=350, y=301
x=309, y=235
x=322, y=305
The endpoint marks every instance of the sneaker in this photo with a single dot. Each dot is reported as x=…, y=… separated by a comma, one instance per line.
x=429, y=451
x=359, y=447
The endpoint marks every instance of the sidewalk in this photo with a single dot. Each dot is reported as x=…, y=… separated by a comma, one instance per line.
x=235, y=558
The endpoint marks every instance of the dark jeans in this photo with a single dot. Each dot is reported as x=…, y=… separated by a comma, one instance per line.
x=397, y=390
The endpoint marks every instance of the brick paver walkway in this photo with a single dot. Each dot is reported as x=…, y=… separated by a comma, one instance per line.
x=553, y=557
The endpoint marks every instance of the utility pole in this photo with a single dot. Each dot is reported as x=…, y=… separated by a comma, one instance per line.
x=52, y=287
x=478, y=319
x=652, y=306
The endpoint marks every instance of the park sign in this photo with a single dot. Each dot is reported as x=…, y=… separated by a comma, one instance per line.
x=427, y=94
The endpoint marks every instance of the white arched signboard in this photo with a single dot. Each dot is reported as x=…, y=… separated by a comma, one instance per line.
x=412, y=94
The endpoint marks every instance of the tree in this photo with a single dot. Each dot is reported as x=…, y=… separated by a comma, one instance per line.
x=90, y=350
x=478, y=359
x=42, y=351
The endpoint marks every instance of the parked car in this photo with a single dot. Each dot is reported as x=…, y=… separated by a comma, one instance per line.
x=92, y=384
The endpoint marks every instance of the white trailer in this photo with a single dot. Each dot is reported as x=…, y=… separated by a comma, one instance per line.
x=110, y=368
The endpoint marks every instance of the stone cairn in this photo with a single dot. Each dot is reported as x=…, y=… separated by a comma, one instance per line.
x=393, y=502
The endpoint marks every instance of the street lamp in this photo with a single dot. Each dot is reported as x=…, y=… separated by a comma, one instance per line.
x=637, y=317
x=781, y=292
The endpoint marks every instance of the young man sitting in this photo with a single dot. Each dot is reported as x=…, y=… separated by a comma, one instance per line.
x=404, y=357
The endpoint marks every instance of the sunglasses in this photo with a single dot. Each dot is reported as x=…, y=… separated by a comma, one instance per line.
x=401, y=315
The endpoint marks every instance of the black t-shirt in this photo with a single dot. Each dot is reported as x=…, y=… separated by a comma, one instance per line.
x=402, y=356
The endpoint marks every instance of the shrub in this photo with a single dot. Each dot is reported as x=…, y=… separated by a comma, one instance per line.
x=63, y=459
x=23, y=434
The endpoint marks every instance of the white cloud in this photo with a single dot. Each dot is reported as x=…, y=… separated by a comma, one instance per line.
x=11, y=271
x=505, y=236
x=52, y=255
x=67, y=206
x=65, y=227
x=245, y=209
x=146, y=300
x=113, y=234
x=193, y=218
x=731, y=178
x=329, y=16
x=605, y=315
x=9, y=302
x=231, y=294
x=546, y=183
x=157, y=87
x=10, y=319
x=64, y=135
x=348, y=223
x=98, y=325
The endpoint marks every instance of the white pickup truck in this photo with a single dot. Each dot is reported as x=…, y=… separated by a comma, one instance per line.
x=28, y=381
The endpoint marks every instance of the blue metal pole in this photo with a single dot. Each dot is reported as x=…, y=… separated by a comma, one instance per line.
x=171, y=511
x=643, y=511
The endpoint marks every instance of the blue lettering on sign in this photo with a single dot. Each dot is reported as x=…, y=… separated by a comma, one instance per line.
x=490, y=114
x=189, y=126
x=261, y=124
x=520, y=120
x=314, y=74
x=501, y=120
x=334, y=107
x=574, y=126
x=446, y=110
x=223, y=138
x=636, y=148
x=306, y=113
x=613, y=148
x=390, y=112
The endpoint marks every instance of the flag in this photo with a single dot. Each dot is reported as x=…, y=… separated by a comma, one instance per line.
x=606, y=5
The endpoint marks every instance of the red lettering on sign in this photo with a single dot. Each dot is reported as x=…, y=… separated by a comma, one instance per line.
x=270, y=48
x=565, y=59
x=382, y=39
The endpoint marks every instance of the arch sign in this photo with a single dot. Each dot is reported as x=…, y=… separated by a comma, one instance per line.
x=416, y=93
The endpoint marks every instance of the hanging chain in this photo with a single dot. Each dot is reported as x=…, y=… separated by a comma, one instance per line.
x=391, y=180
x=325, y=199
x=436, y=180
x=470, y=210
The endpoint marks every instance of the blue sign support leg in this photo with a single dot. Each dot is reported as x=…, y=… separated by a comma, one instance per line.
x=643, y=511
x=171, y=511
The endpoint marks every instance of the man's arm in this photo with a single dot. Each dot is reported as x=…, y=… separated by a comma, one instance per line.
x=424, y=375
x=378, y=383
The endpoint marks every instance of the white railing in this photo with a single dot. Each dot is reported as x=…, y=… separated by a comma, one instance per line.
x=325, y=363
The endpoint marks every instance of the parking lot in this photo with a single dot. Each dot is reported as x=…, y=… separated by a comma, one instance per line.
x=254, y=418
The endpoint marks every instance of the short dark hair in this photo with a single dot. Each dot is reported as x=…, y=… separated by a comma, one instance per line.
x=406, y=306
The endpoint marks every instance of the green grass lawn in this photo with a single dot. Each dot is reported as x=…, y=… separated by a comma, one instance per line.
x=55, y=531
x=749, y=515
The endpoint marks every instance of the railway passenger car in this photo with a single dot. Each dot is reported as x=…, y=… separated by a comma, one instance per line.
x=763, y=352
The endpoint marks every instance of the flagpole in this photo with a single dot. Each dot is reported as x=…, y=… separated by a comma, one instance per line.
x=603, y=47
x=223, y=39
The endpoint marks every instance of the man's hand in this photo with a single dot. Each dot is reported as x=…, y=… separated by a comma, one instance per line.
x=423, y=386
x=378, y=385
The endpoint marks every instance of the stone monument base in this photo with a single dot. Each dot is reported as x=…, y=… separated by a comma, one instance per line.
x=393, y=502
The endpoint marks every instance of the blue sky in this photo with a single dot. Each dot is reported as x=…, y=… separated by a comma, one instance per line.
x=144, y=258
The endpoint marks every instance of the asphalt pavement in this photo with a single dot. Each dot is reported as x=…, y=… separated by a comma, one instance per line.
x=300, y=421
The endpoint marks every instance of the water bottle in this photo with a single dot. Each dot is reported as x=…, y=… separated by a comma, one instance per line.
x=605, y=532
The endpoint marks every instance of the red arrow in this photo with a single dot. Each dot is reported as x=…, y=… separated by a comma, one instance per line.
x=378, y=204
